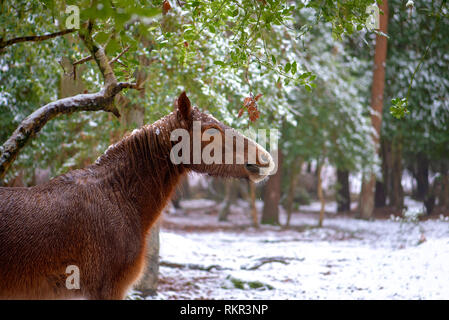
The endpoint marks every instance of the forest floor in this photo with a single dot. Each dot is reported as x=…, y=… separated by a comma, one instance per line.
x=348, y=258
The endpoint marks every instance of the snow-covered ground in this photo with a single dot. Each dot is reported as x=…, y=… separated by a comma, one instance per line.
x=346, y=259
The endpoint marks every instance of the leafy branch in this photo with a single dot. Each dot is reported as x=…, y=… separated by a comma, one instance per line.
x=103, y=100
x=399, y=106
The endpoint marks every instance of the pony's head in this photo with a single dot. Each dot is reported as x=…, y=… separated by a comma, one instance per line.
x=205, y=145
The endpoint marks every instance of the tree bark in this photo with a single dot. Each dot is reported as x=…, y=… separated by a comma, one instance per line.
x=230, y=195
x=443, y=199
x=397, y=192
x=295, y=168
x=422, y=176
x=367, y=197
x=343, y=195
x=252, y=191
x=377, y=95
x=382, y=187
x=272, y=195
x=320, y=195
x=380, y=197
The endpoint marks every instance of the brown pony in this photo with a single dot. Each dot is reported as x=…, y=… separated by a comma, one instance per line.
x=97, y=218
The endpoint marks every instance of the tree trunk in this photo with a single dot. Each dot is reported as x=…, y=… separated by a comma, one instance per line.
x=397, y=192
x=295, y=168
x=377, y=94
x=367, y=197
x=272, y=195
x=343, y=195
x=382, y=187
x=230, y=195
x=252, y=191
x=380, y=197
x=443, y=192
x=443, y=200
x=320, y=195
x=422, y=176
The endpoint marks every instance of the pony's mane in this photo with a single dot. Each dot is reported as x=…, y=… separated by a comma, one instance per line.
x=145, y=145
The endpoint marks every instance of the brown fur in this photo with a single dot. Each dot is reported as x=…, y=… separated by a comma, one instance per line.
x=95, y=218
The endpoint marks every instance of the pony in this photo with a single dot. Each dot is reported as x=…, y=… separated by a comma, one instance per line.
x=95, y=220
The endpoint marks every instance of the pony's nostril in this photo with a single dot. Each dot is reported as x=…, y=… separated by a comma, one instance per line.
x=252, y=168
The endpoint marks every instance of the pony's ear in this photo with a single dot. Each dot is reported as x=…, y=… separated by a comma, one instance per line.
x=184, y=106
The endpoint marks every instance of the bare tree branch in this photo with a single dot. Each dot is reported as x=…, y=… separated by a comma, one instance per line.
x=31, y=125
x=88, y=58
x=100, y=101
x=83, y=60
x=4, y=44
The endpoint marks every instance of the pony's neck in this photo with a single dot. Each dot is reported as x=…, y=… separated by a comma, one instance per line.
x=139, y=168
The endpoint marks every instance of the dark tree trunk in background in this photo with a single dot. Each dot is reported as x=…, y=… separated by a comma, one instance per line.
x=320, y=195
x=422, y=176
x=294, y=170
x=443, y=199
x=272, y=195
x=444, y=195
x=397, y=192
x=380, y=197
x=343, y=195
x=382, y=187
x=231, y=190
x=254, y=215
x=377, y=95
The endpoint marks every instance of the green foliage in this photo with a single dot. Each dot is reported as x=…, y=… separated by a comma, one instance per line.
x=398, y=108
x=332, y=123
x=417, y=70
x=346, y=16
x=219, y=51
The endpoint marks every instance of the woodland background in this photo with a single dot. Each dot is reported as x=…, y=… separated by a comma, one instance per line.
x=363, y=114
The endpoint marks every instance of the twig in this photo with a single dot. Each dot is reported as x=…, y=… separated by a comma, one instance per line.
x=215, y=14
x=261, y=263
x=88, y=58
x=83, y=60
x=120, y=54
x=191, y=266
